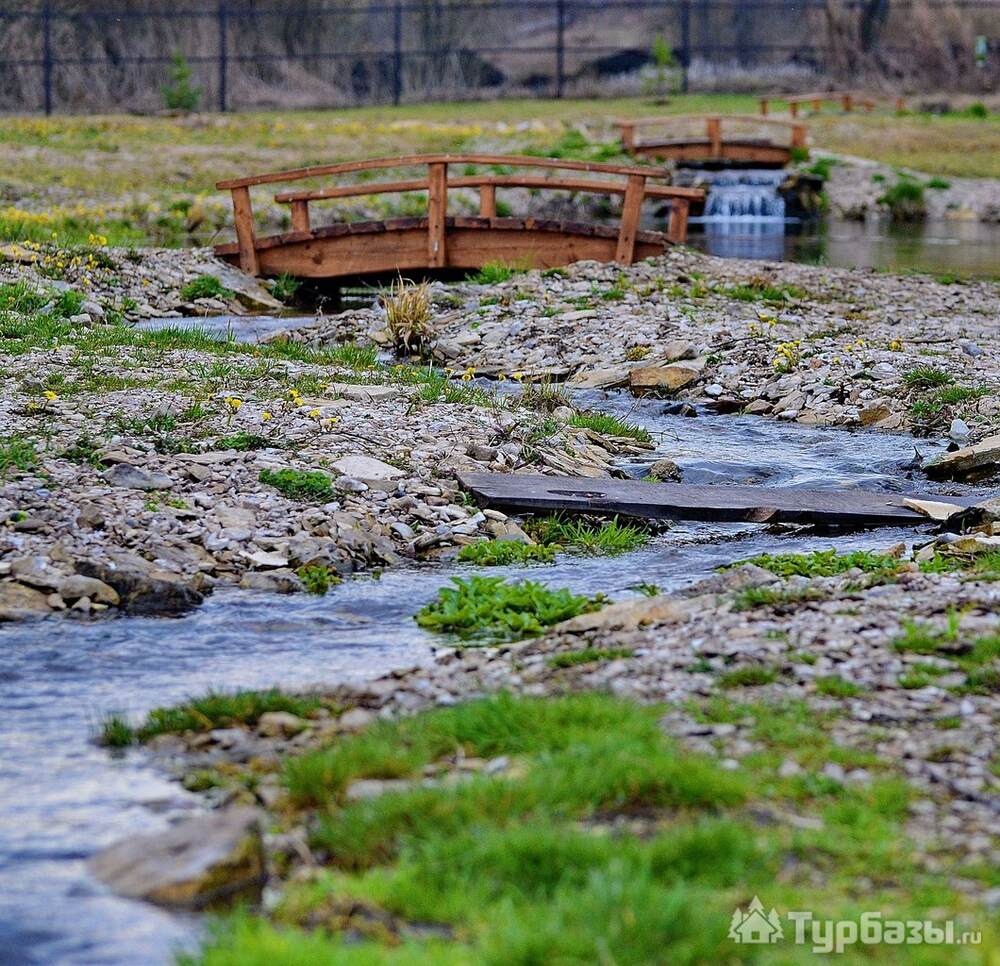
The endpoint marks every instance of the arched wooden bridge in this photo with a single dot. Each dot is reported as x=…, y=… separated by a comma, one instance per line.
x=848, y=100
x=440, y=243
x=718, y=140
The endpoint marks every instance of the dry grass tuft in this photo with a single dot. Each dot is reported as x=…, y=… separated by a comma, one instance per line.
x=408, y=311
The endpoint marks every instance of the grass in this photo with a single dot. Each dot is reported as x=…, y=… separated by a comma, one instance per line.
x=904, y=199
x=304, y=485
x=779, y=598
x=608, y=537
x=603, y=842
x=927, y=377
x=17, y=454
x=760, y=290
x=836, y=687
x=502, y=553
x=205, y=287
x=216, y=709
x=589, y=655
x=822, y=563
x=750, y=676
x=488, y=608
x=244, y=441
x=493, y=273
x=608, y=425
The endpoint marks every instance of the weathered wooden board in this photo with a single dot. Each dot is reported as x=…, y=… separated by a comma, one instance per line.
x=683, y=501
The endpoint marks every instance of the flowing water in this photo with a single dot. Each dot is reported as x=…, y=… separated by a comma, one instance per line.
x=61, y=797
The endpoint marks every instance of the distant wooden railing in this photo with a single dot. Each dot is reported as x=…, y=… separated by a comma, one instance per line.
x=848, y=100
x=713, y=125
x=633, y=187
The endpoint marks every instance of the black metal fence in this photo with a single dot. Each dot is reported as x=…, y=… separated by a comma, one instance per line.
x=65, y=55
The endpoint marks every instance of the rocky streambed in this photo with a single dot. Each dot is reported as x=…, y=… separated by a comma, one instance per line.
x=159, y=471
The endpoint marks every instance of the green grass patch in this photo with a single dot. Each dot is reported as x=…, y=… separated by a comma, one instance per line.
x=589, y=655
x=493, y=273
x=205, y=287
x=761, y=291
x=17, y=454
x=822, y=563
x=502, y=553
x=490, y=608
x=938, y=183
x=304, y=485
x=836, y=687
x=750, y=676
x=244, y=441
x=777, y=597
x=222, y=709
x=608, y=425
x=927, y=377
x=116, y=732
x=608, y=537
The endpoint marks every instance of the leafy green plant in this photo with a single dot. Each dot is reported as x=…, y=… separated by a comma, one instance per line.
x=938, y=183
x=821, y=563
x=243, y=441
x=502, y=553
x=205, y=287
x=180, y=94
x=317, y=579
x=905, y=200
x=978, y=110
x=927, y=377
x=749, y=676
x=116, y=732
x=483, y=607
x=305, y=485
x=836, y=687
x=778, y=597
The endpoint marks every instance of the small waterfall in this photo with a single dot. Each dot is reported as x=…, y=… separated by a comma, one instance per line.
x=743, y=195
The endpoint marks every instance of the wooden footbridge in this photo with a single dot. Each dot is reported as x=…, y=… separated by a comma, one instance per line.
x=734, y=140
x=443, y=244
x=848, y=101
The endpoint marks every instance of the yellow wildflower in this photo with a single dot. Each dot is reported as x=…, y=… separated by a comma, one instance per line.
x=50, y=395
x=265, y=416
x=234, y=403
x=314, y=413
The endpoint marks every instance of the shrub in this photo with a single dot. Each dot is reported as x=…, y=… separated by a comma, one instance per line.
x=489, y=607
x=180, y=94
x=905, y=200
x=494, y=272
x=299, y=484
x=317, y=579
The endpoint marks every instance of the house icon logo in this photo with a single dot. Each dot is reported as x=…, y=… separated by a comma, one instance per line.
x=755, y=925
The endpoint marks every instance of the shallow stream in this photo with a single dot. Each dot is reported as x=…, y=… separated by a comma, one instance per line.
x=61, y=797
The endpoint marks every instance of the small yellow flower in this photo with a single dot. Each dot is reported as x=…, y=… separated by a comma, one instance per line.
x=234, y=403
x=50, y=395
x=314, y=413
x=501, y=377
x=518, y=376
x=265, y=416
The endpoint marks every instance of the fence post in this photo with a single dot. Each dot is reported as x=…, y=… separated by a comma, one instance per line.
x=47, y=54
x=560, y=46
x=223, y=54
x=685, y=43
x=397, y=53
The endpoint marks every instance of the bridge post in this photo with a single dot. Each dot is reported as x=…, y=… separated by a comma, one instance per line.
x=300, y=216
x=677, y=227
x=635, y=192
x=487, y=201
x=713, y=131
x=847, y=102
x=246, y=238
x=437, y=211
x=799, y=136
x=628, y=135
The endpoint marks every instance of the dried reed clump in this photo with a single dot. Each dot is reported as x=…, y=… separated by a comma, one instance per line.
x=408, y=311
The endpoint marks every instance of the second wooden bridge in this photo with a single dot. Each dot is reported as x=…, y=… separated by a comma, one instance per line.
x=442, y=244
x=718, y=140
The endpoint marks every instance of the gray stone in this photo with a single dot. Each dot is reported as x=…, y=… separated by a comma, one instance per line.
x=208, y=861
x=77, y=586
x=18, y=603
x=135, y=478
x=367, y=468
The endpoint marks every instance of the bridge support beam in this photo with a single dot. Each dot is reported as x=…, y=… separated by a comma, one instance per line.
x=437, y=209
x=246, y=236
x=635, y=191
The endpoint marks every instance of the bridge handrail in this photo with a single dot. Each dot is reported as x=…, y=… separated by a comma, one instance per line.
x=847, y=99
x=669, y=118
x=408, y=161
x=634, y=189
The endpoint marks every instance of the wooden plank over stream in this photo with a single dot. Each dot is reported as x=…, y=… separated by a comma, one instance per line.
x=684, y=501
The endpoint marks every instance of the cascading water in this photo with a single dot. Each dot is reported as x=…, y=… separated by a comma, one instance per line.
x=745, y=195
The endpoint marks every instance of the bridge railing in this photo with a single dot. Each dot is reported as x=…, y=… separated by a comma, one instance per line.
x=716, y=129
x=848, y=100
x=626, y=180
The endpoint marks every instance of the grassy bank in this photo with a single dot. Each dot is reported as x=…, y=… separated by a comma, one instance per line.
x=572, y=830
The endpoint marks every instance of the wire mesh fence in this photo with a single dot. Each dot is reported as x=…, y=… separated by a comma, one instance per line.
x=71, y=56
